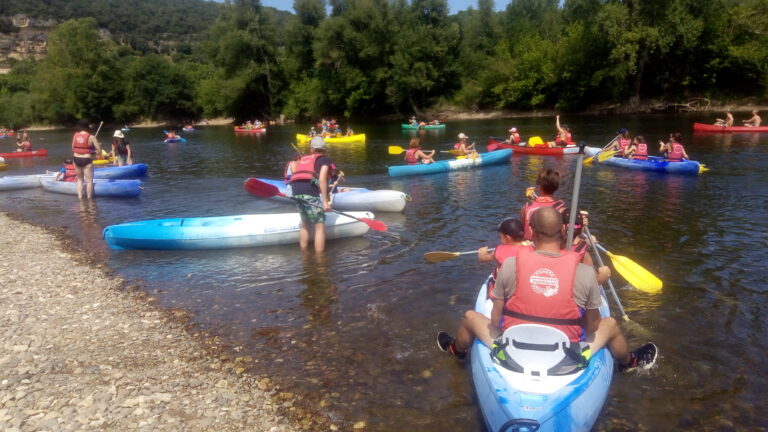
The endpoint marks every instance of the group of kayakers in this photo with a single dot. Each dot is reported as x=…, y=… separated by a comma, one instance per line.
x=329, y=129
x=416, y=123
x=753, y=121
x=252, y=125
x=637, y=148
x=563, y=137
x=23, y=141
x=537, y=281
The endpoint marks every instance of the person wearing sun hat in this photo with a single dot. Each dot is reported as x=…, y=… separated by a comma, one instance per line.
x=514, y=136
x=121, y=149
x=309, y=183
x=462, y=148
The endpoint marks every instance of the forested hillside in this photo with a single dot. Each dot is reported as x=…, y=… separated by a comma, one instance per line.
x=373, y=57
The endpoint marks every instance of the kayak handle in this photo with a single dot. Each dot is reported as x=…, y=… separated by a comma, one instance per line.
x=520, y=425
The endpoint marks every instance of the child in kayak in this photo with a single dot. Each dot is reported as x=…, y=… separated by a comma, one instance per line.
x=581, y=245
x=67, y=172
x=510, y=242
x=638, y=150
x=547, y=183
x=675, y=152
x=620, y=144
x=415, y=155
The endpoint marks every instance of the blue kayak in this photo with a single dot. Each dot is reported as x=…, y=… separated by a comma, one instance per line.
x=654, y=163
x=173, y=140
x=483, y=159
x=101, y=187
x=121, y=172
x=533, y=400
x=225, y=232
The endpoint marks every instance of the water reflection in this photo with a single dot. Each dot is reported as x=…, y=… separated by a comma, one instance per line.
x=320, y=292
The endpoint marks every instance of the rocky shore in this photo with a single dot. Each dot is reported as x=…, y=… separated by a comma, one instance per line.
x=80, y=351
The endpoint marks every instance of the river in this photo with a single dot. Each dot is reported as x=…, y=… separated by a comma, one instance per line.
x=353, y=334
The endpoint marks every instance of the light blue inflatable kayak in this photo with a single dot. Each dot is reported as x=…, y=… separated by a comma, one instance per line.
x=121, y=172
x=483, y=159
x=533, y=400
x=225, y=232
x=101, y=187
x=654, y=163
x=356, y=199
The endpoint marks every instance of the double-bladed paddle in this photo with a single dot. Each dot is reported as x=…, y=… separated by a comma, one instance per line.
x=436, y=257
x=266, y=190
x=599, y=155
x=600, y=263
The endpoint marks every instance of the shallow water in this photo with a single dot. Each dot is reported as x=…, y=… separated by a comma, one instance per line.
x=353, y=333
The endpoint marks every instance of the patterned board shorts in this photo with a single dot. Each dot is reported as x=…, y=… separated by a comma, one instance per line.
x=311, y=214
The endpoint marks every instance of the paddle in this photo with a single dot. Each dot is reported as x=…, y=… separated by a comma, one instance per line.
x=604, y=156
x=394, y=150
x=266, y=190
x=575, y=197
x=636, y=275
x=436, y=257
x=600, y=263
x=589, y=160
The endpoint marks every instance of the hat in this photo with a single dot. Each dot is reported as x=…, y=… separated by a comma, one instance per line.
x=514, y=129
x=462, y=136
x=317, y=143
x=622, y=131
x=118, y=134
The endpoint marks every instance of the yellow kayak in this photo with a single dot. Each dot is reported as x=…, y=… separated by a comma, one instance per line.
x=356, y=138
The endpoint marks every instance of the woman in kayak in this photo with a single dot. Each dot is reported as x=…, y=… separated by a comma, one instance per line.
x=675, y=152
x=464, y=149
x=563, y=137
x=547, y=183
x=754, y=121
x=638, y=149
x=415, y=155
x=621, y=144
x=510, y=242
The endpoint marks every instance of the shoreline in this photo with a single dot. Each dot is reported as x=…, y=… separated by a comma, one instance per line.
x=86, y=350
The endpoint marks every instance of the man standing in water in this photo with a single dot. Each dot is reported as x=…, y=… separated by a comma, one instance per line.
x=549, y=287
x=309, y=183
x=84, y=146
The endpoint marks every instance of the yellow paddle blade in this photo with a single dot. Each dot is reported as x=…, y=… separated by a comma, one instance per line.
x=435, y=257
x=703, y=168
x=461, y=157
x=636, y=275
x=393, y=150
x=101, y=161
x=601, y=157
x=3, y=166
x=588, y=161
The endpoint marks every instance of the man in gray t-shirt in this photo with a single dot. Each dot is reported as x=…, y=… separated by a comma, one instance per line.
x=598, y=332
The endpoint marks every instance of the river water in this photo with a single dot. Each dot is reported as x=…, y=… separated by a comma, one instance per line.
x=353, y=333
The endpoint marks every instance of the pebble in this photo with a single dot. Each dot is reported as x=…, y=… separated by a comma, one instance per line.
x=79, y=351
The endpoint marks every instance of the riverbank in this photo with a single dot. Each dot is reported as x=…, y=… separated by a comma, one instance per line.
x=82, y=351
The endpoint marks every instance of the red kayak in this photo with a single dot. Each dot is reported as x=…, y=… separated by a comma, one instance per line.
x=41, y=152
x=701, y=127
x=524, y=149
x=239, y=129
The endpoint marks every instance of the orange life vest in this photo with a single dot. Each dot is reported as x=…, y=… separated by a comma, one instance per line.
x=305, y=168
x=80, y=143
x=532, y=206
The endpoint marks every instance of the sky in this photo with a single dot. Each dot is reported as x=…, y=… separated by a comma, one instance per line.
x=455, y=5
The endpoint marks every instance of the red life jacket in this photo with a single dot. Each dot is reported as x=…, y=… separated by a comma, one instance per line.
x=410, y=156
x=544, y=293
x=69, y=174
x=567, y=142
x=532, y=206
x=501, y=253
x=676, y=154
x=26, y=146
x=580, y=249
x=623, y=144
x=641, y=153
x=457, y=146
x=80, y=143
x=515, y=138
x=305, y=168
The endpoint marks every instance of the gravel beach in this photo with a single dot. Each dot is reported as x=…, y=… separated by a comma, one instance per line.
x=82, y=352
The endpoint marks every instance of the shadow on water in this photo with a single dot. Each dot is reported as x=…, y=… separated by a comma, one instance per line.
x=352, y=332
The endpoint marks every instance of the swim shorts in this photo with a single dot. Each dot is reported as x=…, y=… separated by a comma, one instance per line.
x=312, y=214
x=82, y=162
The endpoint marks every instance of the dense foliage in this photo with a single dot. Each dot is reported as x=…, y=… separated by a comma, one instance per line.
x=373, y=57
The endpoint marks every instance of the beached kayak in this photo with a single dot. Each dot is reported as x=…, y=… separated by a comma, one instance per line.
x=429, y=126
x=101, y=187
x=524, y=149
x=533, y=400
x=483, y=159
x=654, y=163
x=701, y=127
x=33, y=153
x=21, y=182
x=225, y=232
x=359, y=199
x=240, y=129
x=121, y=172
x=356, y=138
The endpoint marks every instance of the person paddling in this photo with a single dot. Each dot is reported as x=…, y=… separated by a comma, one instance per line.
x=309, y=182
x=754, y=121
x=121, y=149
x=621, y=143
x=547, y=183
x=638, y=150
x=463, y=148
x=84, y=146
x=568, y=300
x=727, y=121
x=514, y=137
x=510, y=243
x=675, y=152
x=415, y=155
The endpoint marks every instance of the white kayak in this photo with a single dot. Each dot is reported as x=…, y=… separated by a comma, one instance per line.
x=101, y=187
x=20, y=182
x=225, y=232
x=355, y=199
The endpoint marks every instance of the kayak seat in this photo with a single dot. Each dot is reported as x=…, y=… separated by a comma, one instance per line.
x=536, y=351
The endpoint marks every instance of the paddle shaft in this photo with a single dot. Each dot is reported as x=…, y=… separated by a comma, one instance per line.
x=319, y=206
x=98, y=129
x=575, y=199
x=600, y=263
